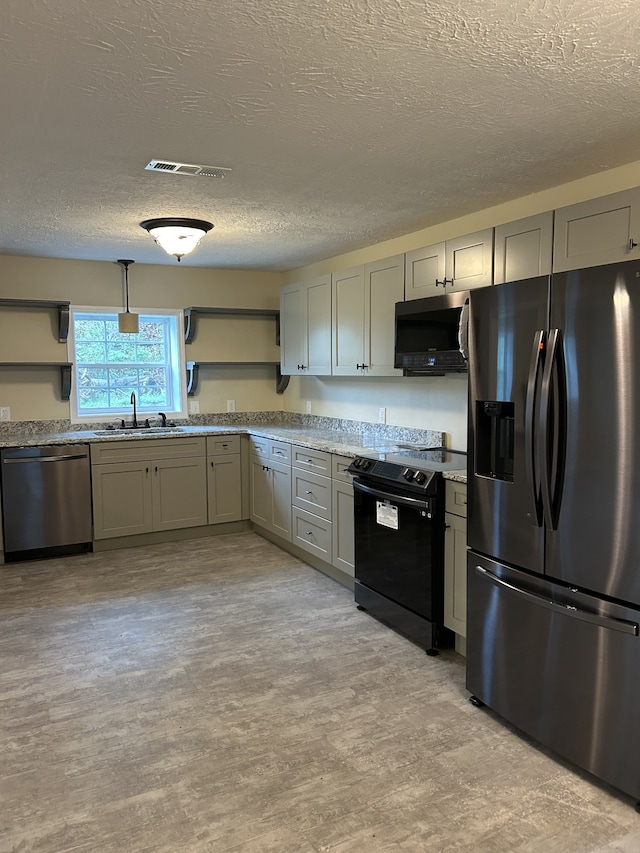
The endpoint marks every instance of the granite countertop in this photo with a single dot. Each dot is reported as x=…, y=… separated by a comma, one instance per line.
x=343, y=443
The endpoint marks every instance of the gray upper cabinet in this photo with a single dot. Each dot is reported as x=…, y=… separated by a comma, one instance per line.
x=458, y=264
x=599, y=231
x=305, y=327
x=523, y=249
x=363, y=306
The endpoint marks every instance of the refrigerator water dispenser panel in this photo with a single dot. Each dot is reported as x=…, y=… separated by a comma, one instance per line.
x=494, y=439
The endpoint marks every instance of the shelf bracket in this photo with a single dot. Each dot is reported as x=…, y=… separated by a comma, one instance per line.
x=282, y=380
x=65, y=379
x=63, y=324
x=193, y=372
x=189, y=325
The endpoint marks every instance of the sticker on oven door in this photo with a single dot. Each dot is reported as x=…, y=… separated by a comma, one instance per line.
x=387, y=515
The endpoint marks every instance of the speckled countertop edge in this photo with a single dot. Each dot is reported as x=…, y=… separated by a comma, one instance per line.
x=343, y=442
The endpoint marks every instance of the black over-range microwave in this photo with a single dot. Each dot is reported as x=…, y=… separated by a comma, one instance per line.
x=431, y=334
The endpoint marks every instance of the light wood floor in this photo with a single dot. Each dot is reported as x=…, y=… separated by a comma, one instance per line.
x=219, y=695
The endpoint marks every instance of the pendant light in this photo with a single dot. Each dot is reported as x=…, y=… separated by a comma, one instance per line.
x=127, y=322
x=177, y=235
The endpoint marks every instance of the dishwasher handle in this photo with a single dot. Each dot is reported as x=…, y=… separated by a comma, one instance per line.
x=14, y=460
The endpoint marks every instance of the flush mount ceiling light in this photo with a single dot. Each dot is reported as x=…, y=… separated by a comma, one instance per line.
x=177, y=235
x=127, y=322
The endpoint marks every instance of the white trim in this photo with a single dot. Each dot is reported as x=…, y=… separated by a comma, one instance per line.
x=178, y=313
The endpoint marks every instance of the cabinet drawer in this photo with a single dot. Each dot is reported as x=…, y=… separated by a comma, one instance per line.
x=222, y=444
x=311, y=460
x=271, y=448
x=259, y=446
x=339, y=465
x=146, y=449
x=279, y=451
x=311, y=492
x=312, y=533
x=456, y=498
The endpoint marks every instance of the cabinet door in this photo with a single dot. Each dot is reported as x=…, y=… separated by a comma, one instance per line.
x=260, y=493
x=179, y=493
x=342, y=527
x=312, y=533
x=469, y=260
x=523, y=249
x=600, y=231
x=384, y=286
x=121, y=499
x=224, y=489
x=348, y=321
x=423, y=268
x=280, y=499
x=318, y=327
x=455, y=574
x=292, y=331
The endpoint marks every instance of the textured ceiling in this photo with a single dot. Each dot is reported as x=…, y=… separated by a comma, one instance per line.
x=345, y=122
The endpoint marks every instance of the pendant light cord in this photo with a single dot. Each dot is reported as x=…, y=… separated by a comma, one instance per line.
x=125, y=264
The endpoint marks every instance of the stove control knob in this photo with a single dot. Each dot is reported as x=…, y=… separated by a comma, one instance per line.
x=420, y=477
x=365, y=463
x=407, y=474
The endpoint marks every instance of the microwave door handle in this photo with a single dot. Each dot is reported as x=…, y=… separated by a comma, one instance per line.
x=530, y=431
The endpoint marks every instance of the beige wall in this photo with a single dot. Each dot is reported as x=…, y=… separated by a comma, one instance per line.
x=435, y=403
x=34, y=393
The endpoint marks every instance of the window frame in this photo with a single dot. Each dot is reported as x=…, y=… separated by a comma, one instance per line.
x=179, y=411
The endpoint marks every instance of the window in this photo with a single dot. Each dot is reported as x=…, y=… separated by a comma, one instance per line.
x=110, y=366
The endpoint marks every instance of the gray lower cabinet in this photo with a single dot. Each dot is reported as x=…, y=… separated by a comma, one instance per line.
x=455, y=558
x=342, y=516
x=311, y=502
x=224, y=479
x=270, y=486
x=145, y=486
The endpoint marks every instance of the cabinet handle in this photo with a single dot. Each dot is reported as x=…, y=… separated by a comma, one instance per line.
x=632, y=243
x=309, y=533
x=363, y=365
x=212, y=464
x=225, y=445
x=444, y=282
x=146, y=470
x=308, y=492
x=156, y=469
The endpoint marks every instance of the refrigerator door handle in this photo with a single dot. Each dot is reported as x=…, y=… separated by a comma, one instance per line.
x=609, y=622
x=551, y=438
x=533, y=384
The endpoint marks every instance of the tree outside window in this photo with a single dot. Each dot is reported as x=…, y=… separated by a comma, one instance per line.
x=110, y=365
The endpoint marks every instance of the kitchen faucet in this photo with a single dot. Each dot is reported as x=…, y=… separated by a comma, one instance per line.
x=135, y=418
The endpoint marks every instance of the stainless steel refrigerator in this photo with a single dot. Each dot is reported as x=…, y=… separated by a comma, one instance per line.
x=553, y=641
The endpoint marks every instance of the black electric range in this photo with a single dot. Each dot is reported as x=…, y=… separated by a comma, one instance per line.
x=399, y=538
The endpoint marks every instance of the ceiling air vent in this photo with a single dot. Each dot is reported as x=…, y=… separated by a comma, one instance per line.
x=187, y=169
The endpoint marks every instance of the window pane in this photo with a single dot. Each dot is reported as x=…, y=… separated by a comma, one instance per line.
x=110, y=366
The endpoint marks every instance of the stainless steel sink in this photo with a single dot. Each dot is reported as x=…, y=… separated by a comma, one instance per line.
x=139, y=431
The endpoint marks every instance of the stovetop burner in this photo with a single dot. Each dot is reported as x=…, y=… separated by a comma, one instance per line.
x=410, y=467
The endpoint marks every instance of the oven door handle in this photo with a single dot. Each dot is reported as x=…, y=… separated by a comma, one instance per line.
x=414, y=503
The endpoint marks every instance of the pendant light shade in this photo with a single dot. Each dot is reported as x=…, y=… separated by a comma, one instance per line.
x=127, y=322
x=177, y=235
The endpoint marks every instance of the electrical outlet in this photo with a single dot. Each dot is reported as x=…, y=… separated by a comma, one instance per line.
x=308, y=407
x=5, y=413
x=382, y=415
x=231, y=405
x=194, y=407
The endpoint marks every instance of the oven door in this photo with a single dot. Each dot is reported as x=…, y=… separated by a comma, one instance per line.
x=399, y=544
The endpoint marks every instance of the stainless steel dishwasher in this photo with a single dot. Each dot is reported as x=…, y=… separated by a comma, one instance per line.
x=46, y=500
